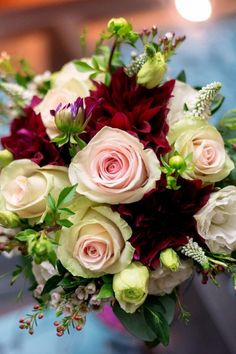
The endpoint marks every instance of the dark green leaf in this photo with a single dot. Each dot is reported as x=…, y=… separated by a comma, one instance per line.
x=82, y=66
x=217, y=103
x=66, y=195
x=61, y=269
x=106, y=291
x=107, y=279
x=16, y=274
x=51, y=284
x=52, y=257
x=158, y=323
x=181, y=76
x=164, y=304
x=65, y=223
x=67, y=283
x=135, y=323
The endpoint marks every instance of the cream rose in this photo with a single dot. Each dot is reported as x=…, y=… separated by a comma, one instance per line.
x=97, y=243
x=181, y=95
x=114, y=168
x=50, y=102
x=25, y=186
x=216, y=221
x=163, y=280
x=210, y=162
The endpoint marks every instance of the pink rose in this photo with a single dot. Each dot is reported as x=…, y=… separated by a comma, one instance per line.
x=114, y=168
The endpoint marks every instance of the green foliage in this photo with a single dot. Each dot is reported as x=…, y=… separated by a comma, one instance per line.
x=151, y=321
x=58, y=210
x=182, y=76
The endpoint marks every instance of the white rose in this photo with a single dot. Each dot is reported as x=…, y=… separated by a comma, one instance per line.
x=25, y=186
x=50, y=102
x=182, y=94
x=216, y=221
x=163, y=281
x=42, y=272
x=114, y=168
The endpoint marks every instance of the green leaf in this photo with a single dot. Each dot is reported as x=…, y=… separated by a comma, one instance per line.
x=67, y=211
x=82, y=66
x=158, y=323
x=26, y=235
x=181, y=76
x=106, y=291
x=67, y=283
x=65, y=223
x=66, y=195
x=61, y=269
x=51, y=284
x=135, y=323
x=16, y=274
x=217, y=103
x=51, y=203
x=52, y=257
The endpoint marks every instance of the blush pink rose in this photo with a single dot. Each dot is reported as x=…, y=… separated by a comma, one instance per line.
x=114, y=168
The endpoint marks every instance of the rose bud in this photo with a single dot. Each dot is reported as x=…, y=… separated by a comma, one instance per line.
x=6, y=157
x=170, y=259
x=152, y=72
x=117, y=24
x=9, y=219
x=131, y=286
x=177, y=162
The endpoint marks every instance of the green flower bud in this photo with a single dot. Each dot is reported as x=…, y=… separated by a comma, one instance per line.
x=170, y=259
x=117, y=24
x=131, y=286
x=71, y=119
x=152, y=72
x=9, y=220
x=6, y=157
x=177, y=162
x=40, y=248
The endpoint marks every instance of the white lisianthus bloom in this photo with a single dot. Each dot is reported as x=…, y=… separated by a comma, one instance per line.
x=43, y=271
x=25, y=186
x=71, y=78
x=181, y=95
x=216, y=221
x=114, y=168
x=163, y=280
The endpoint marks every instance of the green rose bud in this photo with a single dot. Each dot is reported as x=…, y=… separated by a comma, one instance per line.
x=40, y=248
x=170, y=259
x=6, y=157
x=153, y=71
x=177, y=162
x=131, y=286
x=115, y=25
x=9, y=219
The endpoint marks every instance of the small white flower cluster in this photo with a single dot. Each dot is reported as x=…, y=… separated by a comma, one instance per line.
x=204, y=100
x=136, y=65
x=194, y=251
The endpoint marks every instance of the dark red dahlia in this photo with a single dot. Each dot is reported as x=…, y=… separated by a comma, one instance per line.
x=164, y=218
x=131, y=107
x=29, y=140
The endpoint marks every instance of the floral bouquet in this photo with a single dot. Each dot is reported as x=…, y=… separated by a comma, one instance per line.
x=113, y=184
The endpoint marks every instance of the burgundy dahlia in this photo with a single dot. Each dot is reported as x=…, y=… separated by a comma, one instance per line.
x=164, y=218
x=131, y=107
x=28, y=140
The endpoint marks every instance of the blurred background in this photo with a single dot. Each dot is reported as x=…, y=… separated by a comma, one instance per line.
x=47, y=33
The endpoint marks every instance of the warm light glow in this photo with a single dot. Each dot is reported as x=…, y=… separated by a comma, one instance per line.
x=194, y=10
